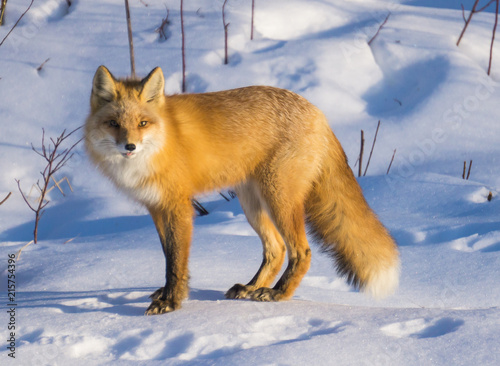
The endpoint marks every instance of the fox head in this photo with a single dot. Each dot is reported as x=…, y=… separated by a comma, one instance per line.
x=125, y=116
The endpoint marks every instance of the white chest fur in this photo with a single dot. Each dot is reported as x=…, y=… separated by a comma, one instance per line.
x=131, y=176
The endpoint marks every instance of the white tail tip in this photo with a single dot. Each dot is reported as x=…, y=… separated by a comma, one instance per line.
x=384, y=282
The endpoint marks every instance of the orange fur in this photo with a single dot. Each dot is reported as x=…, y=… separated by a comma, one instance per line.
x=276, y=150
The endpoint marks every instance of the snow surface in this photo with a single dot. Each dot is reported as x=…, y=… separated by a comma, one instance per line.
x=82, y=290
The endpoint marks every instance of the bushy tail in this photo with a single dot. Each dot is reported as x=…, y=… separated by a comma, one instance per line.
x=346, y=228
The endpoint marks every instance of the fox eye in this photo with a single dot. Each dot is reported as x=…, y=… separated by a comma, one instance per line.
x=143, y=123
x=113, y=123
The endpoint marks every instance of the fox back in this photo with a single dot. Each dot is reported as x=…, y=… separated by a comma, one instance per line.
x=135, y=133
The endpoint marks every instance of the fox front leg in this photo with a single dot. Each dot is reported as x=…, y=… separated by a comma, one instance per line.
x=174, y=230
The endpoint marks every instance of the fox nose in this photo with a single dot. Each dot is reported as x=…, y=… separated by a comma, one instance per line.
x=130, y=147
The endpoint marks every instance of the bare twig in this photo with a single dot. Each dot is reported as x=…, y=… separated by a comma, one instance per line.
x=251, y=26
x=5, y=199
x=469, y=18
x=371, y=151
x=55, y=161
x=390, y=164
x=57, y=184
x=231, y=194
x=468, y=172
x=3, y=5
x=20, y=250
x=161, y=29
x=467, y=21
x=466, y=177
x=493, y=36
x=130, y=39
x=183, y=50
x=361, y=153
x=226, y=26
x=202, y=211
x=71, y=239
x=39, y=68
x=24, y=196
x=22, y=15
x=484, y=7
x=379, y=28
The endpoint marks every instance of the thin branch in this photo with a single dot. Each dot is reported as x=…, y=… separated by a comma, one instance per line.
x=390, y=164
x=56, y=184
x=371, y=151
x=465, y=168
x=251, y=27
x=39, y=68
x=24, y=197
x=226, y=26
x=493, y=36
x=161, y=29
x=484, y=7
x=21, y=17
x=202, y=211
x=379, y=28
x=468, y=21
x=468, y=172
x=223, y=196
x=55, y=161
x=130, y=39
x=3, y=5
x=71, y=239
x=21, y=250
x=5, y=199
x=361, y=153
x=183, y=49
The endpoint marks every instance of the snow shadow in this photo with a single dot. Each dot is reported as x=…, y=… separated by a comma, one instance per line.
x=122, y=301
x=125, y=302
x=440, y=328
x=480, y=237
x=403, y=90
x=67, y=220
x=445, y=4
x=206, y=295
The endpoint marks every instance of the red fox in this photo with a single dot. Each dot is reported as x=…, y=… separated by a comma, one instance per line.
x=272, y=146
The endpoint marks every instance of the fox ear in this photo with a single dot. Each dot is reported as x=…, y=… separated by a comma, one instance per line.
x=103, y=87
x=153, y=85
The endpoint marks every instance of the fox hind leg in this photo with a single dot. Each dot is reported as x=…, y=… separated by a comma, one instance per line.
x=272, y=242
x=283, y=186
x=292, y=227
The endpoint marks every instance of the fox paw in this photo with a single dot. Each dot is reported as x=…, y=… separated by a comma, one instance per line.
x=239, y=291
x=265, y=294
x=157, y=294
x=159, y=306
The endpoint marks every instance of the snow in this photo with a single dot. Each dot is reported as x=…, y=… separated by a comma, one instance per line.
x=82, y=290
